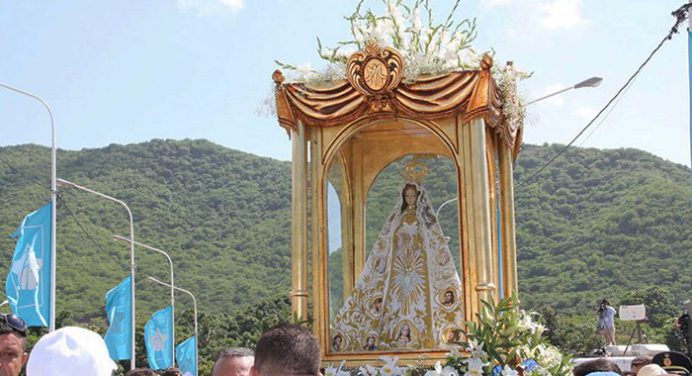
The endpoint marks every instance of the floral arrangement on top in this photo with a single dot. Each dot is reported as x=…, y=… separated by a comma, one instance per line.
x=428, y=48
x=504, y=341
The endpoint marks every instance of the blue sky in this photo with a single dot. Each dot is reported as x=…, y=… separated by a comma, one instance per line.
x=128, y=71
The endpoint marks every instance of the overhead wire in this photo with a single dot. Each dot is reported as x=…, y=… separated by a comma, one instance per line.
x=680, y=15
x=60, y=204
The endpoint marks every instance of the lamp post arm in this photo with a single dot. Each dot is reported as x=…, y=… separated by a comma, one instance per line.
x=170, y=263
x=70, y=184
x=53, y=196
x=437, y=213
x=194, y=307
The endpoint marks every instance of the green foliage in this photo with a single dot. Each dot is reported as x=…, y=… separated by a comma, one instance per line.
x=504, y=335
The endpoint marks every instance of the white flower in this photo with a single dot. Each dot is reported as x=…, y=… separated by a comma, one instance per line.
x=368, y=370
x=305, y=72
x=506, y=371
x=390, y=368
x=475, y=366
x=476, y=349
x=549, y=357
x=439, y=371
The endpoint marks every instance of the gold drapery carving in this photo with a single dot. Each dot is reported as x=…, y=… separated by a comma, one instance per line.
x=472, y=94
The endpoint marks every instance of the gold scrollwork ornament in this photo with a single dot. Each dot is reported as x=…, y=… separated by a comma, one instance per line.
x=375, y=70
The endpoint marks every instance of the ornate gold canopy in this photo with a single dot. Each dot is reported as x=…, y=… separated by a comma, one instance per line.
x=374, y=86
x=347, y=132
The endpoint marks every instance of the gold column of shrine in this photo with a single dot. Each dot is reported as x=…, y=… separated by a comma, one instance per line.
x=371, y=119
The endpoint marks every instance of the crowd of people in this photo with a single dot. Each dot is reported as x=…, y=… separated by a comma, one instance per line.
x=286, y=349
x=677, y=365
x=283, y=350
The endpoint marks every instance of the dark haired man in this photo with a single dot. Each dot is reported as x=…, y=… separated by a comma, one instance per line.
x=235, y=361
x=13, y=354
x=287, y=350
x=600, y=365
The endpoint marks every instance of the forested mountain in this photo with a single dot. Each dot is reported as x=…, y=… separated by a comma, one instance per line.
x=595, y=223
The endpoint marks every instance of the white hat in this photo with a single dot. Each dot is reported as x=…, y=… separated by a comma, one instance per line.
x=70, y=351
x=651, y=370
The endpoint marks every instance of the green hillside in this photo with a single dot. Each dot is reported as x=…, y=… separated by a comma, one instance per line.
x=596, y=223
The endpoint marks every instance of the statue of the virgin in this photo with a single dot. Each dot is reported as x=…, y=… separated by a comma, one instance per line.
x=409, y=295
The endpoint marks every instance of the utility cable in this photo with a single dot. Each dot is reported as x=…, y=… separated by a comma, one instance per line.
x=680, y=16
x=60, y=204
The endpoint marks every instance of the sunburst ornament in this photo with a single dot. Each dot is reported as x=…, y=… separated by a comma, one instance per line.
x=415, y=170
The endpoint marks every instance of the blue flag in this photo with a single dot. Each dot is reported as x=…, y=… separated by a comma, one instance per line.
x=186, y=355
x=29, y=278
x=157, y=338
x=119, y=310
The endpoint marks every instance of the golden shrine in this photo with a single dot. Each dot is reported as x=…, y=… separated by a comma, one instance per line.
x=346, y=134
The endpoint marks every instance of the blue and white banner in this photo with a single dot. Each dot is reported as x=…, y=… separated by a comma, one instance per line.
x=158, y=339
x=186, y=355
x=118, y=337
x=29, y=279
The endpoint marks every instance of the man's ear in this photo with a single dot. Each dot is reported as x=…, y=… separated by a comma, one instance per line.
x=25, y=357
x=254, y=371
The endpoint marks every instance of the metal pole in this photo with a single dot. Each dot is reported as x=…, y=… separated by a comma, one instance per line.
x=194, y=307
x=170, y=262
x=66, y=183
x=437, y=213
x=53, y=197
x=590, y=82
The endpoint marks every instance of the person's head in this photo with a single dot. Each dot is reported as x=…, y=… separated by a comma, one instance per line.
x=449, y=297
x=70, y=351
x=378, y=304
x=638, y=363
x=235, y=361
x=410, y=196
x=171, y=372
x=652, y=370
x=12, y=345
x=286, y=350
x=597, y=365
x=141, y=372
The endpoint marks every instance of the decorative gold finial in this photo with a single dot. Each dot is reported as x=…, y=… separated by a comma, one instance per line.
x=278, y=77
x=415, y=170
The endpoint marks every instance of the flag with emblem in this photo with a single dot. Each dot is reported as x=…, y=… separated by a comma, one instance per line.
x=157, y=338
x=118, y=337
x=186, y=355
x=29, y=279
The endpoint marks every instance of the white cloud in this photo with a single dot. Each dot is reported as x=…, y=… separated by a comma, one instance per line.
x=233, y=5
x=208, y=7
x=495, y=3
x=585, y=113
x=561, y=14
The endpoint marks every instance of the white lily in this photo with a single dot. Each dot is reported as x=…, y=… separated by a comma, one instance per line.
x=368, y=370
x=439, y=371
x=506, y=371
x=475, y=366
x=476, y=349
x=390, y=368
x=331, y=371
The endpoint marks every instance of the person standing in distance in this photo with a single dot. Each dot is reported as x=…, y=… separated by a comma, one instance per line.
x=235, y=361
x=606, y=322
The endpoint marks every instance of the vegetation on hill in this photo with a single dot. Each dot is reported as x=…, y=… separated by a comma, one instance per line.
x=595, y=224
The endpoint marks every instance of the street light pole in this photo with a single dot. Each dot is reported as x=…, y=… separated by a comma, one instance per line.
x=170, y=262
x=53, y=197
x=69, y=184
x=590, y=82
x=194, y=306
